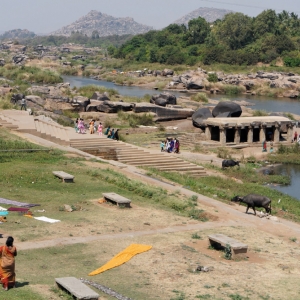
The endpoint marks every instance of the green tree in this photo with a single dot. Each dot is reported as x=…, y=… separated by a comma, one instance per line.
x=198, y=30
x=235, y=31
x=265, y=22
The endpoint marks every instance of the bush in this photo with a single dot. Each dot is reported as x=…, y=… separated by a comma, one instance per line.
x=260, y=113
x=200, y=97
x=233, y=89
x=212, y=77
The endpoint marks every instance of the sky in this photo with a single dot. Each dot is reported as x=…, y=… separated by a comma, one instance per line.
x=45, y=16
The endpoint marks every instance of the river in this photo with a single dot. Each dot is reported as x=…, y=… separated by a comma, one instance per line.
x=262, y=103
x=293, y=171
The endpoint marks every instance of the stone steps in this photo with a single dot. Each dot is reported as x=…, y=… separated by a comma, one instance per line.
x=99, y=145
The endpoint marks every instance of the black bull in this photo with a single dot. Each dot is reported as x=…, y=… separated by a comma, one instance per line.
x=253, y=200
x=229, y=163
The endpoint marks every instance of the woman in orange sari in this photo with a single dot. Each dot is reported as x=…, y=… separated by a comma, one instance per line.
x=7, y=265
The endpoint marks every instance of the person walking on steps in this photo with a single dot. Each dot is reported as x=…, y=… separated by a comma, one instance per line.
x=23, y=104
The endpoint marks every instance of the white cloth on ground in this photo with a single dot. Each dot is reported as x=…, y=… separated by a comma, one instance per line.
x=45, y=219
x=2, y=208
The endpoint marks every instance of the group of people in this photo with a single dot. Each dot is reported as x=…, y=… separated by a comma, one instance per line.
x=7, y=264
x=112, y=133
x=170, y=145
x=80, y=126
x=264, y=146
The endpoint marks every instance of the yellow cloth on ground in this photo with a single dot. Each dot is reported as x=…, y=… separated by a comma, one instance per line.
x=122, y=257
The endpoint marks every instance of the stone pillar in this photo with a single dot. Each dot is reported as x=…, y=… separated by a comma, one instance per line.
x=223, y=135
x=250, y=135
x=237, y=135
x=208, y=132
x=277, y=133
x=290, y=127
x=262, y=133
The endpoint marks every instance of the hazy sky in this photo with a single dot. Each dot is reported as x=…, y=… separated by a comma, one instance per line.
x=44, y=16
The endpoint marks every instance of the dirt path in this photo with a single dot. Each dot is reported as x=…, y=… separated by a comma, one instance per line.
x=228, y=215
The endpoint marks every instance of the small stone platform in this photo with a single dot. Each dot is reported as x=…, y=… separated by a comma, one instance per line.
x=223, y=240
x=65, y=177
x=75, y=287
x=117, y=199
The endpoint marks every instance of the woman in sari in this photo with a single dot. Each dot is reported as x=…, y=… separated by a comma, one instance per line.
x=7, y=265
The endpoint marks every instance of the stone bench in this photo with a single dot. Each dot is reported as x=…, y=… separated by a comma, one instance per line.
x=117, y=199
x=223, y=240
x=76, y=288
x=64, y=176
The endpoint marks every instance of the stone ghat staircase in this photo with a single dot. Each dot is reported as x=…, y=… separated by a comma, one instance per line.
x=136, y=156
x=101, y=146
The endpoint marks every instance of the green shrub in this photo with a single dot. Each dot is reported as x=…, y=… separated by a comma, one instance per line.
x=200, y=97
x=89, y=90
x=212, y=77
x=233, y=89
x=260, y=113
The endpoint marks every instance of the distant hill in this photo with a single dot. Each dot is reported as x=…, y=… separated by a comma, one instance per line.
x=17, y=34
x=209, y=14
x=105, y=25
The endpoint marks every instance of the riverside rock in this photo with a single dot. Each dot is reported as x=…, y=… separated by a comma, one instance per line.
x=81, y=102
x=194, y=83
x=114, y=107
x=164, y=99
x=227, y=109
x=163, y=113
x=200, y=115
x=101, y=97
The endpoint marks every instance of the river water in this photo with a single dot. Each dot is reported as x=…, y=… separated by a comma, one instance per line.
x=261, y=103
x=293, y=171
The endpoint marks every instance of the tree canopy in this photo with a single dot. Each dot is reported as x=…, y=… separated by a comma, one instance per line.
x=237, y=39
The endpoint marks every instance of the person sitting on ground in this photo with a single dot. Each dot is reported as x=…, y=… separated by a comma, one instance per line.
x=116, y=136
x=162, y=146
x=107, y=130
x=7, y=266
x=23, y=104
x=109, y=133
x=112, y=134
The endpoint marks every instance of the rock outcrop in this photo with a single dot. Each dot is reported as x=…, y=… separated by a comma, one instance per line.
x=200, y=116
x=164, y=99
x=227, y=109
x=103, y=25
x=163, y=113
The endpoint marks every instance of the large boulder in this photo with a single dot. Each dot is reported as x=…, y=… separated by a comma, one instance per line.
x=39, y=89
x=227, y=108
x=163, y=113
x=200, y=115
x=100, y=96
x=164, y=99
x=2, y=62
x=33, y=100
x=19, y=59
x=167, y=72
x=194, y=83
x=114, y=107
x=81, y=102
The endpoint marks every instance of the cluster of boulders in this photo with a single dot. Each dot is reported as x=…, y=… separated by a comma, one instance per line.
x=164, y=99
x=224, y=109
x=19, y=59
x=2, y=62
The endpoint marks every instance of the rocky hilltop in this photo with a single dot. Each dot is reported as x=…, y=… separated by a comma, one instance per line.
x=105, y=25
x=209, y=14
x=17, y=34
